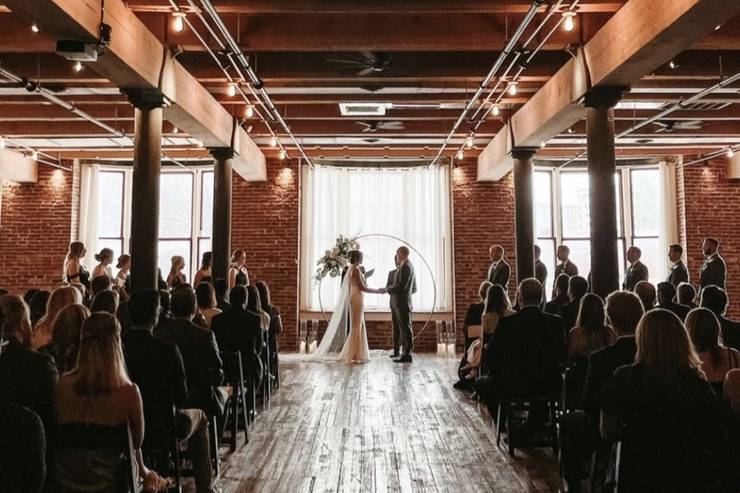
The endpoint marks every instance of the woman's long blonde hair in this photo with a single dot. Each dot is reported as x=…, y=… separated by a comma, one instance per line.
x=60, y=298
x=178, y=262
x=100, y=365
x=664, y=347
x=15, y=319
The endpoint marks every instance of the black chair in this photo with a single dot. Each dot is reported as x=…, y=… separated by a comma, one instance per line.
x=267, y=379
x=78, y=436
x=512, y=414
x=236, y=406
x=161, y=451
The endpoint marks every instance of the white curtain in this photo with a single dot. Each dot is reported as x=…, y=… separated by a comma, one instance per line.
x=89, y=212
x=668, y=207
x=410, y=203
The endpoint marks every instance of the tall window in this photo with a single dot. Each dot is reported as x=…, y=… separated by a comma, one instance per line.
x=409, y=203
x=185, y=214
x=562, y=216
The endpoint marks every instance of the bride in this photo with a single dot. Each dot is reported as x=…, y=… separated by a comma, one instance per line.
x=350, y=307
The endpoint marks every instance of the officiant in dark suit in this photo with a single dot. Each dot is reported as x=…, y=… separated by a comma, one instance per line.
x=403, y=286
x=499, y=271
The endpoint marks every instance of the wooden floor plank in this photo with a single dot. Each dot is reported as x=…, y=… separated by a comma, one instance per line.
x=378, y=427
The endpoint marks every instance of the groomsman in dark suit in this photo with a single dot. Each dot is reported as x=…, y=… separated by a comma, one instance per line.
x=678, y=273
x=540, y=269
x=404, y=285
x=396, y=323
x=499, y=271
x=636, y=272
x=565, y=266
x=713, y=270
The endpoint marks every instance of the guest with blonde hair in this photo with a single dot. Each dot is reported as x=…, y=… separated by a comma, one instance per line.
x=238, y=274
x=65, y=339
x=664, y=412
x=176, y=278
x=74, y=272
x=93, y=399
x=105, y=259
x=60, y=298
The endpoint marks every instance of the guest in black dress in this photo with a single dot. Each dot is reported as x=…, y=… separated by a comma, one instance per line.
x=204, y=273
x=176, y=278
x=65, y=338
x=238, y=274
x=74, y=271
x=716, y=359
x=664, y=412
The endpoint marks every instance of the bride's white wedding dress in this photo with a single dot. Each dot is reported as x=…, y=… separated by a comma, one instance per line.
x=350, y=308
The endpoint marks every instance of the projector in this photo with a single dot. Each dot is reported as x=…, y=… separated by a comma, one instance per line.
x=77, y=51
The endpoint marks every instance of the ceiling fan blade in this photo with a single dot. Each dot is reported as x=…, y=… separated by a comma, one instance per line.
x=365, y=71
x=394, y=125
x=370, y=57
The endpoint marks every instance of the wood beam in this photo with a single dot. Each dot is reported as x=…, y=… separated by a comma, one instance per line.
x=641, y=37
x=136, y=59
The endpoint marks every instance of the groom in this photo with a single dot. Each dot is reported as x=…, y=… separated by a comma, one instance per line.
x=401, y=285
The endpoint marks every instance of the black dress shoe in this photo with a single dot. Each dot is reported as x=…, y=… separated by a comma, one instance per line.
x=394, y=355
x=406, y=358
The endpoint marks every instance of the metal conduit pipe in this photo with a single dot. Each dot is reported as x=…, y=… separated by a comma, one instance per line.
x=711, y=155
x=536, y=4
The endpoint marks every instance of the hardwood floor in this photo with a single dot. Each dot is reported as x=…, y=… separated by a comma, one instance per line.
x=377, y=427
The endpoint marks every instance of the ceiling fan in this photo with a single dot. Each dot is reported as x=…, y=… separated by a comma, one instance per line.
x=669, y=126
x=374, y=126
x=365, y=62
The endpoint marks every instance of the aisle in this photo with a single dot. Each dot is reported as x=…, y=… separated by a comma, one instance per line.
x=378, y=427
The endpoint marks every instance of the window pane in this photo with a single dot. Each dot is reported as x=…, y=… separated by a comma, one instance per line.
x=170, y=248
x=543, y=203
x=574, y=198
x=110, y=203
x=175, y=205
x=652, y=258
x=580, y=254
x=645, y=200
x=206, y=214
x=547, y=247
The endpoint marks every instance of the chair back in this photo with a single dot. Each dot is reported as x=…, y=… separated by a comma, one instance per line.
x=233, y=366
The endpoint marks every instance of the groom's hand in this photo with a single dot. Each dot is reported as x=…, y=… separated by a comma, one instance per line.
x=383, y=291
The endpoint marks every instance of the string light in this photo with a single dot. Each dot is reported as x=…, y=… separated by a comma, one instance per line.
x=273, y=141
x=35, y=28
x=512, y=88
x=77, y=67
x=496, y=110
x=460, y=155
x=249, y=112
x=570, y=21
x=283, y=154
x=231, y=90
x=469, y=142
x=178, y=23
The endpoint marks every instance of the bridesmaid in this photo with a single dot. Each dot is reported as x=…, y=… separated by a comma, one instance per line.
x=204, y=273
x=105, y=259
x=176, y=278
x=124, y=269
x=238, y=274
x=74, y=271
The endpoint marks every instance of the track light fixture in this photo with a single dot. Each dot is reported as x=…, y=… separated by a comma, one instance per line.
x=77, y=67
x=460, y=155
x=273, y=141
x=2, y=143
x=673, y=65
x=283, y=154
x=231, y=90
x=496, y=110
x=570, y=20
x=249, y=112
x=730, y=153
x=512, y=88
x=178, y=21
x=35, y=28
x=469, y=142
x=35, y=155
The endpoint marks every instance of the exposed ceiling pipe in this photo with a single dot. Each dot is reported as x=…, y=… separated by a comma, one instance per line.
x=256, y=82
x=711, y=155
x=536, y=4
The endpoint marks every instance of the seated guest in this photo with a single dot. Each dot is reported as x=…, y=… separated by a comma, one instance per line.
x=716, y=359
x=37, y=306
x=199, y=350
x=105, y=259
x=27, y=378
x=157, y=368
x=204, y=273
x=472, y=318
x=666, y=295
x=715, y=298
x=636, y=271
x=60, y=298
x=664, y=412
x=105, y=301
x=240, y=330
x=98, y=395
x=206, y=297
x=221, y=287
x=525, y=354
x=590, y=332
x=65, y=341
x=577, y=289
x=276, y=324
x=22, y=450
x=254, y=305
x=176, y=277
x=686, y=294
x=561, y=298
x=731, y=390
x=100, y=284
x=26, y=296
x=646, y=292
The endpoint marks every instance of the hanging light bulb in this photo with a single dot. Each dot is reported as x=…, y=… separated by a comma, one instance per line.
x=283, y=154
x=2, y=143
x=178, y=21
x=175, y=129
x=77, y=67
x=231, y=90
x=570, y=21
x=460, y=155
x=730, y=153
x=512, y=88
x=469, y=142
x=35, y=28
x=672, y=65
x=273, y=141
x=35, y=155
x=496, y=110
x=249, y=112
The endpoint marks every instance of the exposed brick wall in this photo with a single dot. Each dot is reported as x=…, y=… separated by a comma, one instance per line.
x=711, y=203
x=264, y=223
x=483, y=215
x=35, y=223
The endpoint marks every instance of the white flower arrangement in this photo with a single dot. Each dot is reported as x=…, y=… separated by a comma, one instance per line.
x=336, y=259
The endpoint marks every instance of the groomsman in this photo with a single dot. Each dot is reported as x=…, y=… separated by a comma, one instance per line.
x=678, y=273
x=565, y=266
x=499, y=271
x=396, y=322
x=636, y=272
x=713, y=270
x=540, y=269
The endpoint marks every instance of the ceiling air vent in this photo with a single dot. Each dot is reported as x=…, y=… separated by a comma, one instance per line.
x=363, y=109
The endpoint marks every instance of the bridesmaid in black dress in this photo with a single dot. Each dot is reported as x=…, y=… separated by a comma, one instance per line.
x=176, y=278
x=238, y=274
x=74, y=272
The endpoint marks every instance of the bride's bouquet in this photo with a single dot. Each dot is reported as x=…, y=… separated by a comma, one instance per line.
x=336, y=259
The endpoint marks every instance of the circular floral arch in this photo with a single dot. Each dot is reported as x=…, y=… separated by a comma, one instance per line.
x=424, y=260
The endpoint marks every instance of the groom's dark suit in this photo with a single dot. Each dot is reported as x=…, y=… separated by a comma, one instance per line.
x=404, y=285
